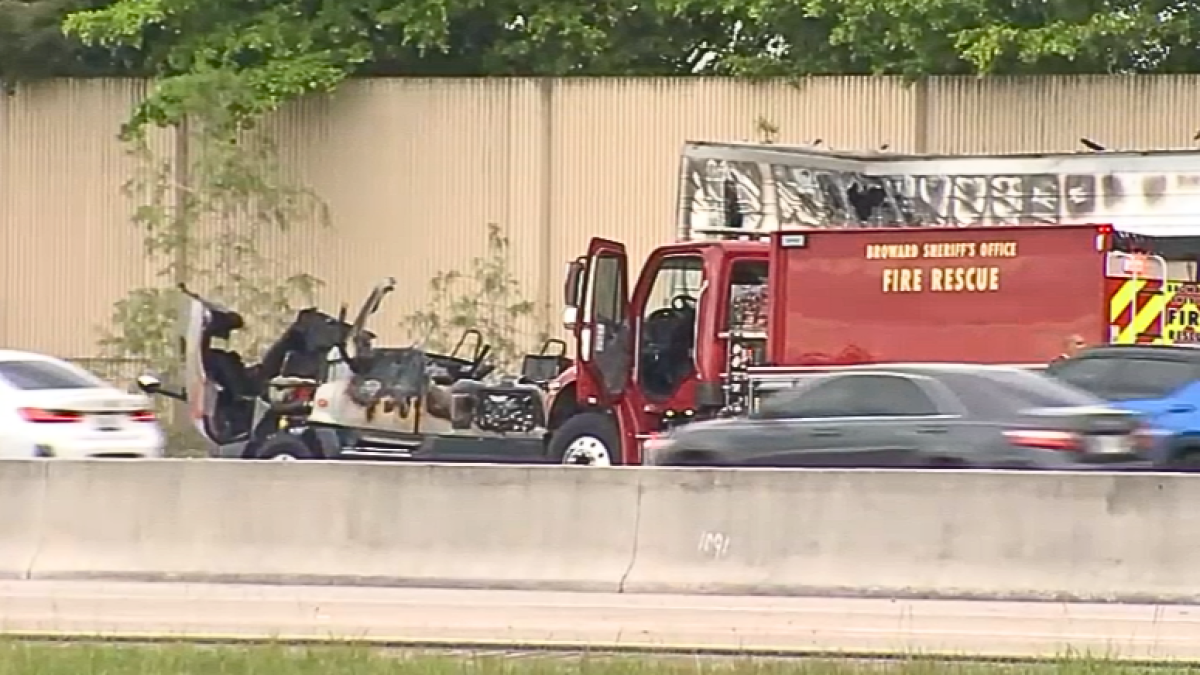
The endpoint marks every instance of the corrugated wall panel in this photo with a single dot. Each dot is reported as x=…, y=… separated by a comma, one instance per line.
x=69, y=249
x=1008, y=114
x=413, y=172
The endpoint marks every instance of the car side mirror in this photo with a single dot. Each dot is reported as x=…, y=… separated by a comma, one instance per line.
x=149, y=384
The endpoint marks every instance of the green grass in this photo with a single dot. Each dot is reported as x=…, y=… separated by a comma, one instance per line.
x=49, y=658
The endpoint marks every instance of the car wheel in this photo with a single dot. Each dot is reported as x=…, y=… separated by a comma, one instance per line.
x=588, y=439
x=285, y=447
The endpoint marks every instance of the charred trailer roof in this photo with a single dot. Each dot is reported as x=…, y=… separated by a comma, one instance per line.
x=744, y=190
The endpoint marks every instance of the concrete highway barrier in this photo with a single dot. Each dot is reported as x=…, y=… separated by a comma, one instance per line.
x=872, y=533
x=335, y=523
x=22, y=486
x=1000, y=535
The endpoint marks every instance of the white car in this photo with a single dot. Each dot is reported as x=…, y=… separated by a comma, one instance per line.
x=53, y=408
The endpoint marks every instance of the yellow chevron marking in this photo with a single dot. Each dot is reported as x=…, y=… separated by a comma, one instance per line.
x=1152, y=305
x=1123, y=298
x=1146, y=315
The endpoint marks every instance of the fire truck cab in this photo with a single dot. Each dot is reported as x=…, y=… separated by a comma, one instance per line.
x=653, y=354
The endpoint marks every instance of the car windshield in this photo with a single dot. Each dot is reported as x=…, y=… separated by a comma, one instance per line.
x=1154, y=378
x=1126, y=378
x=37, y=375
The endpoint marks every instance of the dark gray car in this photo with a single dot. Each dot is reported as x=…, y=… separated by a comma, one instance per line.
x=917, y=415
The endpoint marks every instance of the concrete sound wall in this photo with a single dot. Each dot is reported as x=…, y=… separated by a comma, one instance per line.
x=904, y=533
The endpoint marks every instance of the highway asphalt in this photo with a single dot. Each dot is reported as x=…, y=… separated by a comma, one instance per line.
x=599, y=619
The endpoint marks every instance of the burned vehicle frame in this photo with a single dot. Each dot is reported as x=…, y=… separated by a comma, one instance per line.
x=324, y=390
x=406, y=403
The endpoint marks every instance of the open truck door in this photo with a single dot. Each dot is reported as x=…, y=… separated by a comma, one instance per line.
x=598, y=313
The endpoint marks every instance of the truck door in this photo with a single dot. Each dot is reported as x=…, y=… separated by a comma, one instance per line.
x=604, y=332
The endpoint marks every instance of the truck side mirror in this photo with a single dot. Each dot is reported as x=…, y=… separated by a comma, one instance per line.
x=572, y=289
x=149, y=384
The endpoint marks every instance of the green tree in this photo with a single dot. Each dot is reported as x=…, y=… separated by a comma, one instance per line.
x=280, y=50
x=250, y=58
x=266, y=53
x=559, y=38
x=932, y=37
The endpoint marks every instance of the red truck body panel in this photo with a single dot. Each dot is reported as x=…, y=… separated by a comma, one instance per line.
x=981, y=295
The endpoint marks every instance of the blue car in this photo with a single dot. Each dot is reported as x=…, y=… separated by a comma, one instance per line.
x=1160, y=382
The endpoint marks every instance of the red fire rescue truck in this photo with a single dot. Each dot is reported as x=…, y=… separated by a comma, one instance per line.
x=791, y=260
x=708, y=326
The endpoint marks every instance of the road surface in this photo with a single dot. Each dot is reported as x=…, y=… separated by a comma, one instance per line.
x=599, y=619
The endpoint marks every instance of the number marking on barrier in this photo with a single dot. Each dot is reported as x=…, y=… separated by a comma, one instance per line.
x=714, y=545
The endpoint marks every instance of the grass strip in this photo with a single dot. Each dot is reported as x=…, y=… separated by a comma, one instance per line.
x=65, y=658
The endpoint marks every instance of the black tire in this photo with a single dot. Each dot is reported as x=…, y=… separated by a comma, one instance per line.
x=284, y=446
x=589, y=425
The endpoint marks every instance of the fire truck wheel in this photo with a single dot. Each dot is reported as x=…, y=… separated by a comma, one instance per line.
x=590, y=439
x=283, y=447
